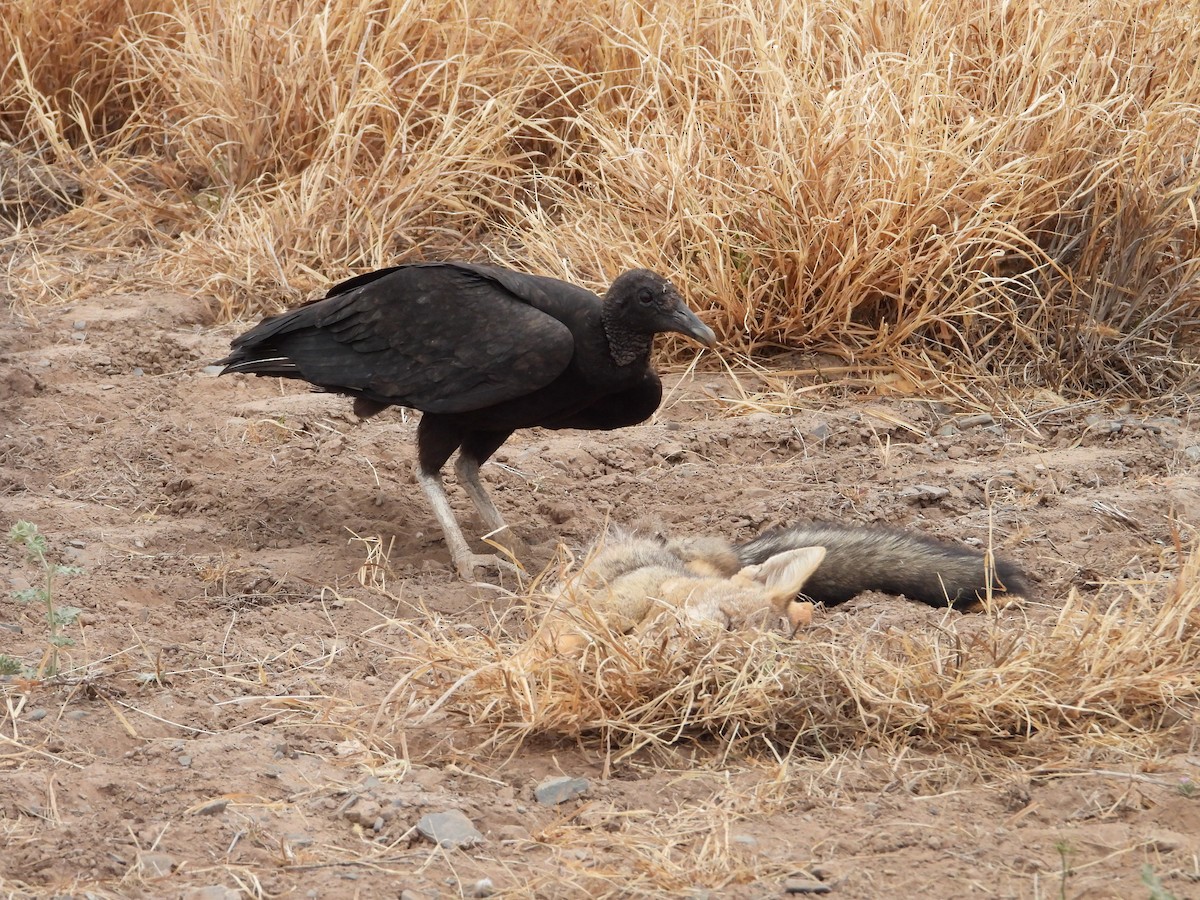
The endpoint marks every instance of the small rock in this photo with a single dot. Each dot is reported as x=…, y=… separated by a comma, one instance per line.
x=483, y=888
x=554, y=791
x=77, y=714
x=364, y=813
x=212, y=807
x=35, y=715
x=924, y=492
x=957, y=451
x=1192, y=453
x=12, y=627
x=185, y=761
x=804, y=886
x=155, y=865
x=948, y=431
x=821, y=431
x=449, y=829
x=79, y=325
x=212, y=370
x=513, y=834
x=745, y=840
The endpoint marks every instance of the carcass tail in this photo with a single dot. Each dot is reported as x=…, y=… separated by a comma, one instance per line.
x=895, y=562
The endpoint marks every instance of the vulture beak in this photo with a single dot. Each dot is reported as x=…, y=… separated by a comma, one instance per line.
x=684, y=321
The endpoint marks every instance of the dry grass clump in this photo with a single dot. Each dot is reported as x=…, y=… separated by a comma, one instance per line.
x=1009, y=187
x=1109, y=676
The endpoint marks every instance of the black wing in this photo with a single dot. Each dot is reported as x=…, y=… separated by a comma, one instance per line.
x=443, y=338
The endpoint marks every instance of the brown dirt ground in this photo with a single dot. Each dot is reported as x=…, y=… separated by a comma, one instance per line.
x=228, y=652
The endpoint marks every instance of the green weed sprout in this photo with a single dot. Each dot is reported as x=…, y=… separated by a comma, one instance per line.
x=26, y=535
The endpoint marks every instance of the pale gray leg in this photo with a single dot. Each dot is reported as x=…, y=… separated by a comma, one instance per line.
x=465, y=561
x=467, y=470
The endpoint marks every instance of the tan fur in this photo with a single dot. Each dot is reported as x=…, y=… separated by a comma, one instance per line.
x=631, y=582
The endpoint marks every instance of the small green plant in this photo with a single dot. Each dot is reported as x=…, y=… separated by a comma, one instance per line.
x=1187, y=787
x=26, y=535
x=1152, y=881
x=1065, y=852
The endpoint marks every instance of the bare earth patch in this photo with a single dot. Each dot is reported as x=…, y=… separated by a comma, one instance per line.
x=255, y=563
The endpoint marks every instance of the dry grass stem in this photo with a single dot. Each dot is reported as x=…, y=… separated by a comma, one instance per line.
x=1094, y=678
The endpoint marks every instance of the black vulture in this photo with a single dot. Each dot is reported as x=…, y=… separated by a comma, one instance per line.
x=481, y=351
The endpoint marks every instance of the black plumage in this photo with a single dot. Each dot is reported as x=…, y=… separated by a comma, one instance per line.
x=482, y=351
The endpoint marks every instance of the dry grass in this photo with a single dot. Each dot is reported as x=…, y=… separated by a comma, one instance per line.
x=1005, y=188
x=1107, y=679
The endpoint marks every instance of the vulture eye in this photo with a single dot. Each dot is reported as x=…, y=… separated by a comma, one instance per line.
x=645, y=296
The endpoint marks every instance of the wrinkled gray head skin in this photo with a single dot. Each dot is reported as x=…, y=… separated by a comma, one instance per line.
x=646, y=303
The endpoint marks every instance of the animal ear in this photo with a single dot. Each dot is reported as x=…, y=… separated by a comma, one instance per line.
x=784, y=574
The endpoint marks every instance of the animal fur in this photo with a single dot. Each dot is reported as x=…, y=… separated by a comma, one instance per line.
x=894, y=562
x=632, y=579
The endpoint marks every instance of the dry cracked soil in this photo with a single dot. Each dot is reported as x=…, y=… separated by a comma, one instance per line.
x=205, y=737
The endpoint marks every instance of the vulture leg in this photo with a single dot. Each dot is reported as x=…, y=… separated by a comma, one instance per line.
x=435, y=442
x=475, y=451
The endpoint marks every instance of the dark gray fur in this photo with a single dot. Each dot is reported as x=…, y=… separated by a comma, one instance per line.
x=895, y=562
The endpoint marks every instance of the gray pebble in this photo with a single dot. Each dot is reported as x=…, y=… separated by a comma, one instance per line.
x=924, y=492
x=1192, y=453
x=213, y=370
x=483, y=888
x=185, y=761
x=35, y=715
x=554, y=791
x=79, y=325
x=212, y=807
x=449, y=829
